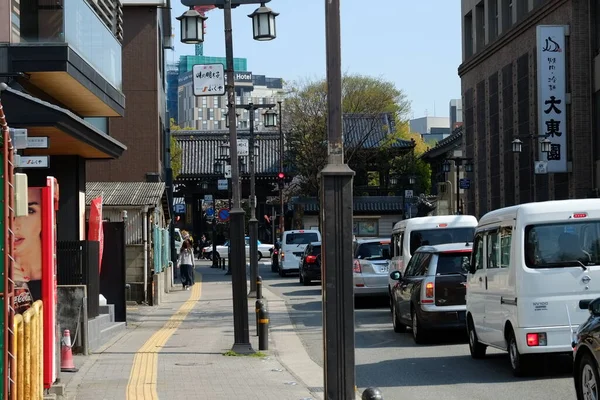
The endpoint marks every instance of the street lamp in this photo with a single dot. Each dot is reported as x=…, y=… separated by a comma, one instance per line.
x=517, y=146
x=218, y=168
x=393, y=181
x=227, y=119
x=412, y=180
x=446, y=167
x=192, y=26
x=545, y=147
x=270, y=118
x=263, y=23
x=204, y=186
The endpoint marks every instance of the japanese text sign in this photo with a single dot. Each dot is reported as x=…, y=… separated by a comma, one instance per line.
x=552, y=94
x=208, y=79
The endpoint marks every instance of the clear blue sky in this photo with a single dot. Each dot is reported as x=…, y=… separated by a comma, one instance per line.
x=415, y=44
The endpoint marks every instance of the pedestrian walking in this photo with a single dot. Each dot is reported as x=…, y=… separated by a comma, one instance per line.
x=185, y=263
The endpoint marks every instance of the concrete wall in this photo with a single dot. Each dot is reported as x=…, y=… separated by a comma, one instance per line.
x=70, y=312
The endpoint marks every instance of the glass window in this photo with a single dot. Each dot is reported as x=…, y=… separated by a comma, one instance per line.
x=373, y=251
x=432, y=237
x=423, y=266
x=301, y=238
x=493, y=249
x=453, y=263
x=478, y=252
x=413, y=263
x=401, y=243
x=316, y=250
x=505, y=246
x=562, y=245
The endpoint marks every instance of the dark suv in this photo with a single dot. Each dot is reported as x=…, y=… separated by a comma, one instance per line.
x=310, y=263
x=431, y=294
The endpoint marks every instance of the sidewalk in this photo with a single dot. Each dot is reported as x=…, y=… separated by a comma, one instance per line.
x=175, y=351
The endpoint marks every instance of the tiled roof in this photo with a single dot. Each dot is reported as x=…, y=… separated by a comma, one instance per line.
x=370, y=130
x=125, y=193
x=445, y=145
x=372, y=204
x=200, y=149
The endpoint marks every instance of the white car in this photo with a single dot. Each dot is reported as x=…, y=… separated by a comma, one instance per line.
x=264, y=250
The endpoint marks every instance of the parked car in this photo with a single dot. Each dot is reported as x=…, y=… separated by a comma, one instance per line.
x=586, y=354
x=223, y=250
x=532, y=265
x=292, y=247
x=310, y=264
x=430, y=295
x=371, y=266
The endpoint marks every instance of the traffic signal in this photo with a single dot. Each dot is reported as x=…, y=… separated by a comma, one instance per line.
x=280, y=180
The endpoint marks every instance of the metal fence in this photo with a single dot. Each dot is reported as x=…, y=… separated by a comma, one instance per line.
x=78, y=265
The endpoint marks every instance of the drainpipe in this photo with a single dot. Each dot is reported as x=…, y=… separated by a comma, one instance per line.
x=145, y=238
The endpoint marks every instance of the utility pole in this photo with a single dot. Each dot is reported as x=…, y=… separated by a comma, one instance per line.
x=337, y=207
x=237, y=243
x=281, y=150
x=253, y=222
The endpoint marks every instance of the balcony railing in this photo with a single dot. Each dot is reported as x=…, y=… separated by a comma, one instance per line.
x=74, y=22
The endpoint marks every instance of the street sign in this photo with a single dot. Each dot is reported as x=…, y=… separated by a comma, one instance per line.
x=210, y=212
x=208, y=197
x=179, y=208
x=34, y=162
x=37, y=142
x=222, y=184
x=243, y=147
x=464, y=183
x=208, y=79
x=19, y=138
x=223, y=214
x=541, y=167
x=408, y=193
x=227, y=171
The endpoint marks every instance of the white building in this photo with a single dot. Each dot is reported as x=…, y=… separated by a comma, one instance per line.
x=432, y=129
x=456, y=113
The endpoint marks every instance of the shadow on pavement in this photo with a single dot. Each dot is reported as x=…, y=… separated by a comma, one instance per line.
x=311, y=292
x=451, y=370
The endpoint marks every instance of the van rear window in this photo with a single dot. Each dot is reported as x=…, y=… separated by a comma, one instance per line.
x=301, y=238
x=569, y=244
x=432, y=237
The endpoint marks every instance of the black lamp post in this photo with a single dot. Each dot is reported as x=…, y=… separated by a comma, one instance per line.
x=545, y=147
x=467, y=163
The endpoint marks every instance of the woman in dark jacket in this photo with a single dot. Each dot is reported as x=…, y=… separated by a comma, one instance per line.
x=186, y=265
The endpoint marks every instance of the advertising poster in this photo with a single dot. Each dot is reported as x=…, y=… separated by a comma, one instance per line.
x=35, y=265
x=95, y=232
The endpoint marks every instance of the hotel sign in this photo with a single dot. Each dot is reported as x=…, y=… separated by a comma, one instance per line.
x=552, y=94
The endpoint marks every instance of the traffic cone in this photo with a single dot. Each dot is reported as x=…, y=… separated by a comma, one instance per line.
x=66, y=356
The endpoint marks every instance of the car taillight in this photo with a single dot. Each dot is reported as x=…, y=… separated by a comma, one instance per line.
x=282, y=256
x=428, y=295
x=536, y=339
x=311, y=259
x=357, y=269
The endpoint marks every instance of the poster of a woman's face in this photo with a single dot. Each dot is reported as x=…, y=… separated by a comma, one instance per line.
x=28, y=240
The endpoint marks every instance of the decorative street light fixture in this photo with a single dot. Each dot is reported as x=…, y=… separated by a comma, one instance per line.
x=192, y=26
x=270, y=118
x=446, y=167
x=204, y=185
x=393, y=181
x=546, y=145
x=218, y=168
x=517, y=146
x=263, y=23
x=412, y=180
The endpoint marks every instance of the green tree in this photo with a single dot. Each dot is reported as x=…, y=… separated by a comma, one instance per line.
x=412, y=165
x=176, y=150
x=305, y=119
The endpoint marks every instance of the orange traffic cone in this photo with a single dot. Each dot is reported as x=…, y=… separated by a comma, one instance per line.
x=66, y=356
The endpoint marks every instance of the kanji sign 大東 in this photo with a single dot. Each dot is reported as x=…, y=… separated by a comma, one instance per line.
x=208, y=79
x=552, y=95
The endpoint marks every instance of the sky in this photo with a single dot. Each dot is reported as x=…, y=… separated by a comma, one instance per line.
x=415, y=44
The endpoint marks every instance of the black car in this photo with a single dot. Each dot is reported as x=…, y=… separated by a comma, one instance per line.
x=310, y=263
x=431, y=294
x=586, y=352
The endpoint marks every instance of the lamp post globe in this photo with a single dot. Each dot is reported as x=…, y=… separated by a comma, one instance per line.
x=393, y=181
x=517, y=146
x=263, y=23
x=192, y=26
x=546, y=145
x=412, y=180
x=446, y=166
x=270, y=118
x=469, y=166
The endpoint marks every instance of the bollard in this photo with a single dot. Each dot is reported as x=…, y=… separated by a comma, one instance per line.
x=258, y=287
x=259, y=304
x=372, y=394
x=263, y=331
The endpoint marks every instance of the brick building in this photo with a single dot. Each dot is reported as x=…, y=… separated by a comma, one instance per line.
x=500, y=85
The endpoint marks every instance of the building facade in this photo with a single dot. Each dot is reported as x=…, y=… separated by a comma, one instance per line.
x=502, y=52
x=432, y=129
x=207, y=113
x=144, y=128
x=456, y=113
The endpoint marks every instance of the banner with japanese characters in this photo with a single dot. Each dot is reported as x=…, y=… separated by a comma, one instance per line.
x=552, y=94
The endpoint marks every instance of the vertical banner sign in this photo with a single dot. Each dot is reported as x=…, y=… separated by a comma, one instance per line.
x=552, y=94
x=95, y=232
x=49, y=279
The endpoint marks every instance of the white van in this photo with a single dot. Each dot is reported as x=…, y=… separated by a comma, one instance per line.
x=532, y=265
x=293, y=244
x=410, y=234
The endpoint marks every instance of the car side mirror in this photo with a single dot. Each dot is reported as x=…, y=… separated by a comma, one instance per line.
x=594, y=307
x=396, y=275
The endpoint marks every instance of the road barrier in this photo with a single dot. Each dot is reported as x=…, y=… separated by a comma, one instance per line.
x=372, y=394
x=259, y=287
x=263, y=328
x=258, y=305
x=28, y=347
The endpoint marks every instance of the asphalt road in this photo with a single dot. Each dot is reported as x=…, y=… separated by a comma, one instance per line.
x=442, y=369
